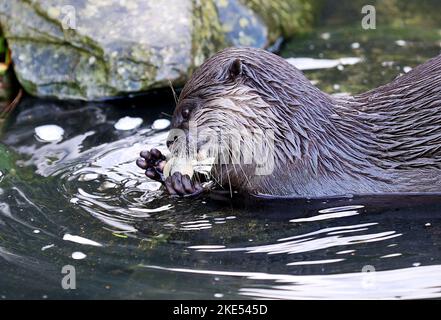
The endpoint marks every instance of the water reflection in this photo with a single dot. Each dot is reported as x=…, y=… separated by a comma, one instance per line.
x=420, y=283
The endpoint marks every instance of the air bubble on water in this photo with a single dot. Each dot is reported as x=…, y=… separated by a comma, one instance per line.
x=161, y=124
x=49, y=133
x=355, y=45
x=78, y=255
x=325, y=36
x=128, y=123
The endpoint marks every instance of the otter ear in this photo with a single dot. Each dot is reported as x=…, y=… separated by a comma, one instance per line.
x=235, y=69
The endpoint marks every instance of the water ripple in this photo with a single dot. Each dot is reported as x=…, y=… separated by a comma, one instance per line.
x=409, y=283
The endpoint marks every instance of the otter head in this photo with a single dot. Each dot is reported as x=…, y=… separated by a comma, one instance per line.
x=247, y=108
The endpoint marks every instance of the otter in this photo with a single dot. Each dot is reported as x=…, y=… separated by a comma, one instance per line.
x=387, y=140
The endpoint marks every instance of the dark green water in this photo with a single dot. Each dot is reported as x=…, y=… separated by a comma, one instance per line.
x=146, y=245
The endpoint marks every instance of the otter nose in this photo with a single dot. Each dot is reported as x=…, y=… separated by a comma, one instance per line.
x=170, y=140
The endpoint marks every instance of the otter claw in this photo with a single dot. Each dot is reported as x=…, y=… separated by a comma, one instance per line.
x=152, y=162
x=179, y=185
x=153, y=174
x=142, y=163
x=182, y=186
x=156, y=154
x=145, y=154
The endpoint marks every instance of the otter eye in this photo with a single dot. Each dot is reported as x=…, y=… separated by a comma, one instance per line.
x=186, y=113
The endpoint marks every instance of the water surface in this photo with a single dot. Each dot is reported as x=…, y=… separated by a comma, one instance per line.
x=82, y=201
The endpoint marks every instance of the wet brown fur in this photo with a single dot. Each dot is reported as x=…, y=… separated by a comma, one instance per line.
x=387, y=140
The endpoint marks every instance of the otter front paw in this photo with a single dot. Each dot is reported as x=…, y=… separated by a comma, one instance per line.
x=153, y=163
x=182, y=185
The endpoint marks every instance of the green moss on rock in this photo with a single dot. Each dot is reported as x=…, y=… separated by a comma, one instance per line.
x=95, y=49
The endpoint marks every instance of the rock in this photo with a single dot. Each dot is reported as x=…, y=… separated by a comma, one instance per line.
x=98, y=49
